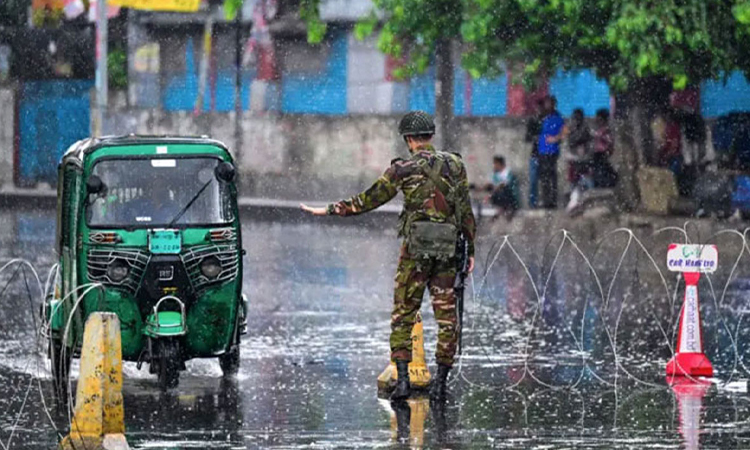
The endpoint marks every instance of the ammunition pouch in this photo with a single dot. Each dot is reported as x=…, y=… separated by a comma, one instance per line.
x=432, y=240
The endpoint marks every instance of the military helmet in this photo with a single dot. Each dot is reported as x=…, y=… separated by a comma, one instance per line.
x=416, y=123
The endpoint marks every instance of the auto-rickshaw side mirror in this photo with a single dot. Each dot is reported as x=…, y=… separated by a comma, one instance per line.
x=94, y=185
x=225, y=172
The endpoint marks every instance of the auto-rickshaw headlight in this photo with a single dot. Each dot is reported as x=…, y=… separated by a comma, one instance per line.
x=117, y=271
x=211, y=267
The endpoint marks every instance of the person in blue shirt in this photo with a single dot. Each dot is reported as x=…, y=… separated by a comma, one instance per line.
x=553, y=130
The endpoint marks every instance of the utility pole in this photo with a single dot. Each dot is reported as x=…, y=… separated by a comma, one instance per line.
x=444, y=94
x=238, y=135
x=101, y=67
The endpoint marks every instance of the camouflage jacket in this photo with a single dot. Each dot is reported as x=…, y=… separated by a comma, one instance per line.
x=419, y=203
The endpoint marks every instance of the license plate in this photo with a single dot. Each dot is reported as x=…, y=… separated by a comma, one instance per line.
x=166, y=273
x=165, y=242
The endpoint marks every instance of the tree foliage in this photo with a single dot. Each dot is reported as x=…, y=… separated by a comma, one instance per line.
x=13, y=12
x=117, y=68
x=232, y=8
x=684, y=41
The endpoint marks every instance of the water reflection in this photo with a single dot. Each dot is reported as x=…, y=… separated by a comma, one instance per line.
x=689, y=394
x=205, y=414
x=622, y=418
x=408, y=418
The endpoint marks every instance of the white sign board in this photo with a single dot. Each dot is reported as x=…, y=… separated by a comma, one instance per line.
x=690, y=329
x=692, y=258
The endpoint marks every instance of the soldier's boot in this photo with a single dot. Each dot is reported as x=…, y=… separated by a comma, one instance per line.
x=440, y=383
x=403, y=388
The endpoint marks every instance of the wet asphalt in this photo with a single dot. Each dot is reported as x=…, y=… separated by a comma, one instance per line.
x=565, y=347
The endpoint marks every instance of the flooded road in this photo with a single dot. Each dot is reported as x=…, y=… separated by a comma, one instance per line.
x=557, y=355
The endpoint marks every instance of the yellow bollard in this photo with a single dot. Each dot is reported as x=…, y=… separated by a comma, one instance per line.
x=98, y=422
x=419, y=409
x=419, y=374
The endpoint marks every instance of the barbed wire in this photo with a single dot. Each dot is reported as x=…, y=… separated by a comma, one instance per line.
x=502, y=252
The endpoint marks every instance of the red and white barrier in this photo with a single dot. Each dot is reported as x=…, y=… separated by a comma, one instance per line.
x=691, y=260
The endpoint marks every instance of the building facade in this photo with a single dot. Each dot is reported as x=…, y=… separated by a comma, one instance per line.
x=340, y=76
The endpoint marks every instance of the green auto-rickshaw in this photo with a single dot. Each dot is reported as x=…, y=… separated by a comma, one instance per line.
x=148, y=228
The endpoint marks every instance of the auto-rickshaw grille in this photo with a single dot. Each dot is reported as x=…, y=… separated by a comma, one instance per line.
x=226, y=254
x=99, y=259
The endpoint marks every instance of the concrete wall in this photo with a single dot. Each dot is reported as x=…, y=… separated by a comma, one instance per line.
x=7, y=131
x=319, y=156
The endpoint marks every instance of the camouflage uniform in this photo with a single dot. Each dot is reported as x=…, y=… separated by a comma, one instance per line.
x=414, y=275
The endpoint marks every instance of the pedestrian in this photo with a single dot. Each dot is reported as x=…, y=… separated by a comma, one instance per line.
x=533, y=130
x=670, y=151
x=436, y=211
x=579, y=155
x=553, y=128
x=693, y=151
x=505, y=195
x=658, y=134
x=602, y=172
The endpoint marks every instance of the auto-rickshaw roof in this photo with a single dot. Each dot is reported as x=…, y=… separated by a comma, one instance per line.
x=86, y=146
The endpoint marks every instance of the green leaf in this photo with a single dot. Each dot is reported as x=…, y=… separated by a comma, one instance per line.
x=366, y=26
x=742, y=12
x=309, y=12
x=680, y=82
x=231, y=8
x=316, y=31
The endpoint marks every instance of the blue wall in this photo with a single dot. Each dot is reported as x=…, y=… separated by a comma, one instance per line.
x=52, y=116
x=321, y=93
x=181, y=90
x=488, y=96
x=422, y=91
x=718, y=98
x=325, y=92
x=579, y=89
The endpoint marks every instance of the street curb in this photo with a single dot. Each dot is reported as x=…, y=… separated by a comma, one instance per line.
x=285, y=209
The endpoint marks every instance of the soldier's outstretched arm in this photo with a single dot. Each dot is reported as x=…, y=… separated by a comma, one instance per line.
x=315, y=211
x=381, y=192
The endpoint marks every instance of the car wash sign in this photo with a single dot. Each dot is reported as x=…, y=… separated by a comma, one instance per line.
x=692, y=258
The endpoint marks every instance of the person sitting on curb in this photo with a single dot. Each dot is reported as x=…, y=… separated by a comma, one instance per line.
x=504, y=191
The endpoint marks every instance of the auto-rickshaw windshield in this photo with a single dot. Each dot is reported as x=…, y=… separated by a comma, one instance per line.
x=159, y=192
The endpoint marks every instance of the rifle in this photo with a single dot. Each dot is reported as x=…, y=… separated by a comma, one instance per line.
x=459, y=287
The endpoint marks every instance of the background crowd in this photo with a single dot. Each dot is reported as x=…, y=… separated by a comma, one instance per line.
x=710, y=164
x=585, y=151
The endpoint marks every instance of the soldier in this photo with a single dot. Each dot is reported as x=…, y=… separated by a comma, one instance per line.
x=436, y=210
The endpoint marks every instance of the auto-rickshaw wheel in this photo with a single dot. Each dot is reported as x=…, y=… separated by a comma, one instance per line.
x=230, y=361
x=60, y=368
x=168, y=360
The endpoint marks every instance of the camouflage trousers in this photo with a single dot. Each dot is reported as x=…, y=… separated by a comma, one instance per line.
x=412, y=277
